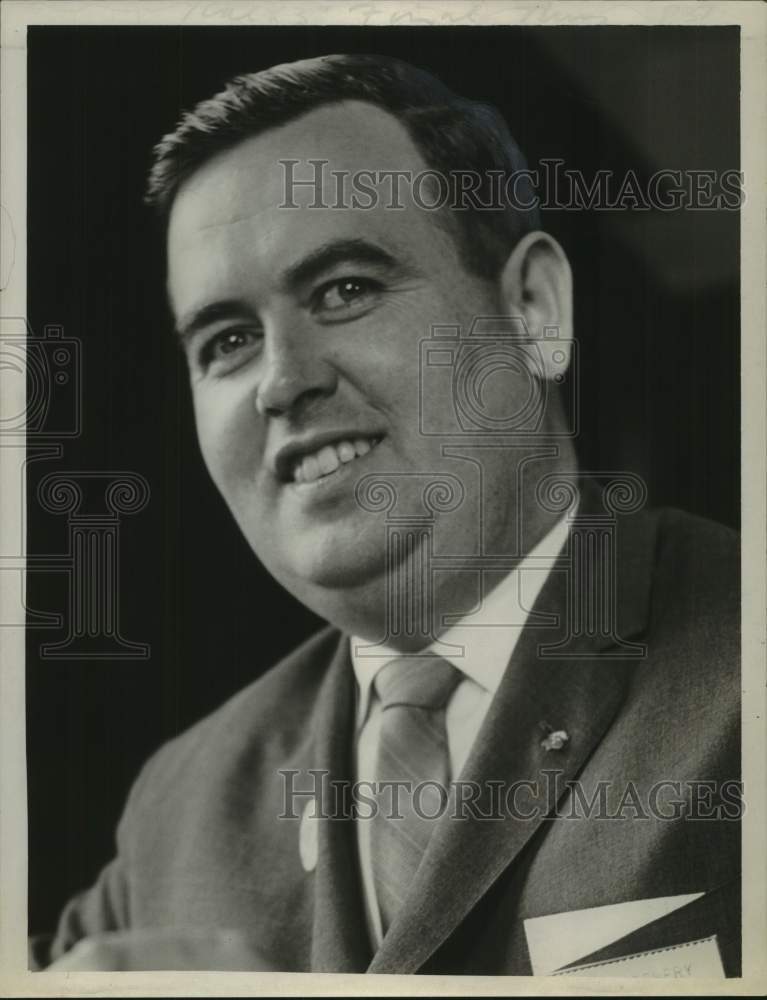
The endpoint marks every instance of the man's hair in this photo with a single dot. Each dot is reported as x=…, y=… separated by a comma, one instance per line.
x=451, y=133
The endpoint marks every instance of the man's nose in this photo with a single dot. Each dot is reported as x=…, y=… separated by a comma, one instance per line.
x=295, y=372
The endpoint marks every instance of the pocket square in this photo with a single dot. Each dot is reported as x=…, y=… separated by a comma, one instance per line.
x=559, y=939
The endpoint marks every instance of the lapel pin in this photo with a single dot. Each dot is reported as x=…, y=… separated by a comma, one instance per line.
x=308, y=840
x=555, y=739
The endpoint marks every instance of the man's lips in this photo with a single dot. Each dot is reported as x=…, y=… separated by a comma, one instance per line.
x=316, y=457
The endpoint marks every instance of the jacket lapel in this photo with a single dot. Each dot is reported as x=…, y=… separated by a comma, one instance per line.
x=579, y=692
x=339, y=941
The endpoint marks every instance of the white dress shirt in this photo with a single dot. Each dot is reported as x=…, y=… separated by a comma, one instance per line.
x=484, y=642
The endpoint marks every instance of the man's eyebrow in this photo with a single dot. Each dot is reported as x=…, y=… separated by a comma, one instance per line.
x=198, y=319
x=352, y=251
x=315, y=263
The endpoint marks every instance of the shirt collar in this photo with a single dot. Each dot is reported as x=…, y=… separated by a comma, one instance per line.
x=483, y=641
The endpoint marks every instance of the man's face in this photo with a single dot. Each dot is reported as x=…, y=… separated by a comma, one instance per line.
x=302, y=330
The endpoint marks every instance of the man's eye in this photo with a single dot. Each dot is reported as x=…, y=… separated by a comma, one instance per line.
x=344, y=293
x=227, y=346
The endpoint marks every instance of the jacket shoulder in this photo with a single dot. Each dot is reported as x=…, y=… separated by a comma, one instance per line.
x=691, y=530
x=693, y=636
x=254, y=724
x=697, y=566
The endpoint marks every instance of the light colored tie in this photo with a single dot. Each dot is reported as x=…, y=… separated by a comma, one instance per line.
x=413, y=748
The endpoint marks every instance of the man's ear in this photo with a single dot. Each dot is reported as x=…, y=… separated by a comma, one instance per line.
x=536, y=284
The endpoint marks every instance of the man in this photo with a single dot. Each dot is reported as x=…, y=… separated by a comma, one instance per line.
x=514, y=750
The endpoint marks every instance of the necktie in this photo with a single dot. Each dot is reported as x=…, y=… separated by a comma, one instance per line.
x=412, y=749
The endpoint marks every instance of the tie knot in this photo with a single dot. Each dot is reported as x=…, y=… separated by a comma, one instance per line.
x=421, y=681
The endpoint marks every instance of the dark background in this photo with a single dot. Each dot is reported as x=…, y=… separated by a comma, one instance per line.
x=656, y=319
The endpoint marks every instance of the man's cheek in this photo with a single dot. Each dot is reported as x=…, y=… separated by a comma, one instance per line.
x=209, y=440
x=230, y=443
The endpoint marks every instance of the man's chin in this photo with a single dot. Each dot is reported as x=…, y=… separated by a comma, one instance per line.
x=343, y=570
x=337, y=561
x=341, y=578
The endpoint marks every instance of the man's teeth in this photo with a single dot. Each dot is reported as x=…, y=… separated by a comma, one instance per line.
x=331, y=457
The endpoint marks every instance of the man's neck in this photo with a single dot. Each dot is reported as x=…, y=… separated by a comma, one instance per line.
x=438, y=577
x=481, y=640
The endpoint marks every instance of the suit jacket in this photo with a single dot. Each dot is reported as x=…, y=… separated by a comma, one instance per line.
x=200, y=843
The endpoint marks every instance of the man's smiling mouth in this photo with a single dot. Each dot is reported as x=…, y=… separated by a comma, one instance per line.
x=330, y=458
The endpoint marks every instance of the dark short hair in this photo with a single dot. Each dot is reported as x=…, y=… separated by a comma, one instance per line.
x=451, y=133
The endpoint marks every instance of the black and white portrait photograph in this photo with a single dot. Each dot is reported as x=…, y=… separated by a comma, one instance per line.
x=383, y=459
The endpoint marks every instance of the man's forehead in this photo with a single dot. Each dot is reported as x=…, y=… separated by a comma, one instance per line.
x=254, y=176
